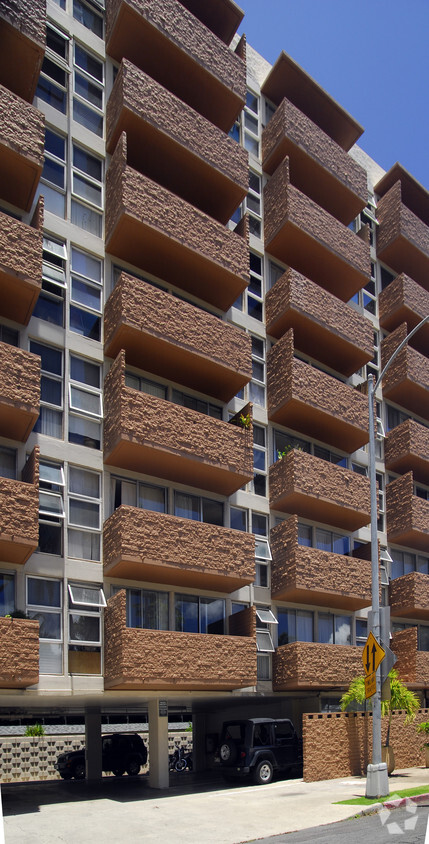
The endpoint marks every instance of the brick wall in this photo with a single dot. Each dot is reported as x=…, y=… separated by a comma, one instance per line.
x=19, y=507
x=340, y=744
x=22, y=127
x=404, y=510
x=408, y=365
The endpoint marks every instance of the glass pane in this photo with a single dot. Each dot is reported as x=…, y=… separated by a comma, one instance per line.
x=86, y=265
x=88, y=63
x=84, y=323
x=87, y=190
x=7, y=593
x=304, y=626
x=51, y=358
x=259, y=459
x=84, y=545
x=212, y=512
x=84, y=401
x=259, y=524
x=50, y=656
x=154, y=610
x=304, y=535
x=50, y=423
x=134, y=608
x=286, y=626
x=88, y=118
x=51, y=391
x=50, y=539
x=325, y=628
x=152, y=498
x=8, y=463
x=323, y=540
x=43, y=593
x=84, y=432
x=54, y=172
x=88, y=90
x=187, y=506
x=51, y=94
x=88, y=18
x=84, y=513
x=84, y=628
x=49, y=624
x=91, y=596
x=86, y=294
x=238, y=518
x=86, y=218
x=186, y=613
x=212, y=615
x=55, y=144
x=87, y=163
x=85, y=371
x=50, y=503
x=343, y=630
x=50, y=310
x=264, y=641
x=82, y=482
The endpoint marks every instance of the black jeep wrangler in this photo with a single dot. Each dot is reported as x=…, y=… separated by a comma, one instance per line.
x=259, y=747
x=120, y=752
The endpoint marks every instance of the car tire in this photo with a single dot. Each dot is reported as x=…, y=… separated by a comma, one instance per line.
x=228, y=753
x=79, y=771
x=133, y=767
x=118, y=772
x=263, y=772
x=66, y=775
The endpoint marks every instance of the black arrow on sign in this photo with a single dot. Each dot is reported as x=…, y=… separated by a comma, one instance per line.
x=374, y=651
x=367, y=659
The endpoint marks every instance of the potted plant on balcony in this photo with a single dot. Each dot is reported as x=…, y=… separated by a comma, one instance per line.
x=400, y=698
x=424, y=728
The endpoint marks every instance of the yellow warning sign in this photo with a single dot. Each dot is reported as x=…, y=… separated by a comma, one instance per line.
x=370, y=685
x=372, y=654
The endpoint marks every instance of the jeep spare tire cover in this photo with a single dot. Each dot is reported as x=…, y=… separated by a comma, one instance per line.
x=228, y=752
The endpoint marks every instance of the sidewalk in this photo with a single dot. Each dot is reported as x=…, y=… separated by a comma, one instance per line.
x=196, y=810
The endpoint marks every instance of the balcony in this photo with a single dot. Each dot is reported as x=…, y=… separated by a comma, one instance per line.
x=173, y=47
x=310, y=665
x=412, y=664
x=319, y=167
x=402, y=237
x=320, y=491
x=182, y=342
x=407, y=449
x=20, y=266
x=310, y=401
x=19, y=653
x=324, y=327
x=406, y=382
x=288, y=79
x=154, y=547
x=405, y=301
x=22, y=138
x=409, y=596
x=146, y=434
x=22, y=38
x=157, y=231
x=303, y=575
x=407, y=514
x=301, y=234
x=140, y=659
x=19, y=513
x=19, y=392
x=175, y=146
x=223, y=17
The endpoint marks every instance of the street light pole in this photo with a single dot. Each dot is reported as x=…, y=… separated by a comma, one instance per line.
x=377, y=782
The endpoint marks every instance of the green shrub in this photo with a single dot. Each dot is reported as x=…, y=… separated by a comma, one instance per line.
x=34, y=730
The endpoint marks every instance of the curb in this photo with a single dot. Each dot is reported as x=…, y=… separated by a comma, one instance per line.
x=392, y=804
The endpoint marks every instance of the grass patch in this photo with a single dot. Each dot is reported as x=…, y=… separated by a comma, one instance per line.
x=367, y=801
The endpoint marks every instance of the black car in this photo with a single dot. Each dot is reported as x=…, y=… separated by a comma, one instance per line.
x=120, y=752
x=259, y=747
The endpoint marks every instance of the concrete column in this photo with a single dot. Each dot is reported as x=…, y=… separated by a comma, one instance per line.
x=93, y=744
x=158, y=747
x=199, y=741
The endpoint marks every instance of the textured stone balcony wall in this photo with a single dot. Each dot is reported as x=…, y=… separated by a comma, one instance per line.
x=166, y=659
x=19, y=653
x=147, y=434
x=20, y=266
x=402, y=237
x=407, y=515
x=23, y=40
x=22, y=137
x=175, y=241
x=310, y=665
x=170, y=44
x=222, y=18
x=315, y=489
x=405, y=301
x=300, y=574
x=19, y=392
x=312, y=402
x=303, y=235
x=19, y=513
x=319, y=166
x=178, y=340
x=407, y=449
x=174, y=145
x=409, y=596
x=324, y=327
x=145, y=545
x=412, y=665
x=406, y=382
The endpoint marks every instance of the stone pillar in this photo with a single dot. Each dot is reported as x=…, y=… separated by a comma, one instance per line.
x=159, y=776
x=93, y=744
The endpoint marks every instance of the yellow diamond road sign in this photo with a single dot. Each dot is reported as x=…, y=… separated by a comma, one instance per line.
x=370, y=685
x=372, y=654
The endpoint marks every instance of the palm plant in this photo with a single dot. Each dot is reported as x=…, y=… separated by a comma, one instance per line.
x=400, y=698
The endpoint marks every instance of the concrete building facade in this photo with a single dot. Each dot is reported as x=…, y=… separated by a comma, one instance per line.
x=199, y=267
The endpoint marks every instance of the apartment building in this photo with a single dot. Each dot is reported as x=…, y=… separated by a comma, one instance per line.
x=199, y=269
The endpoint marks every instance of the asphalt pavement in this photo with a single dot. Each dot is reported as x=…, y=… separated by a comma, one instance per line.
x=196, y=809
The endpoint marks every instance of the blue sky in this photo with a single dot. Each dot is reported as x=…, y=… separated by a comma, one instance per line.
x=372, y=56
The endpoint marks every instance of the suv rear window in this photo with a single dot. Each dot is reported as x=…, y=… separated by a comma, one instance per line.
x=234, y=732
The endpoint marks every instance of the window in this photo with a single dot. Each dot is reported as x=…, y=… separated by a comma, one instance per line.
x=259, y=483
x=275, y=272
x=86, y=290
x=144, y=385
x=260, y=524
x=253, y=205
x=147, y=609
x=395, y=417
x=9, y=335
x=284, y=443
x=84, y=514
x=195, y=614
x=334, y=629
x=404, y=563
x=88, y=17
x=257, y=384
x=361, y=631
x=8, y=462
x=238, y=518
x=7, y=593
x=44, y=603
x=254, y=292
x=381, y=500
x=50, y=421
x=263, y=558
x=84, y=628
x=327, y=540
x=264, y=642
x=51, y=507
x=197, y=404
x=87, y=191
x=295, y=626
x=251, y=123
x=85, y=403
x=88, y=90
x=53, y=79
x=135, y=494
x=50, y=304
x=54, y=173
x=199, y=509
